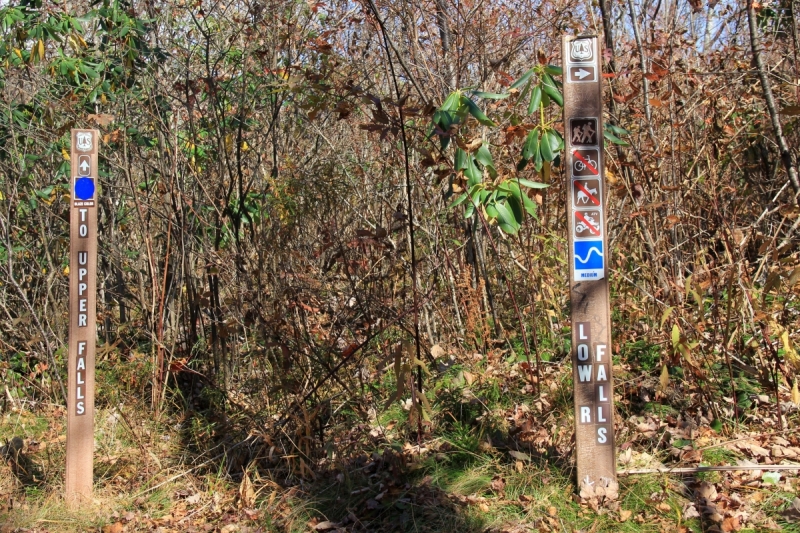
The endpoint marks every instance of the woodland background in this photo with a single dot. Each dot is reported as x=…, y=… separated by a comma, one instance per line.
x=282, y=264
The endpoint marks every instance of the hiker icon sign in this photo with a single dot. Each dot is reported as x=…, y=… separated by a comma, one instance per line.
x=583, y=132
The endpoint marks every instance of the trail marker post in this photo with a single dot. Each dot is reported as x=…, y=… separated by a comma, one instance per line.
x=82, y=314
x=588, y=259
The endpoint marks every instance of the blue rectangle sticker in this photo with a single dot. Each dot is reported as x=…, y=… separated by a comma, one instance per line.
x=589, y=260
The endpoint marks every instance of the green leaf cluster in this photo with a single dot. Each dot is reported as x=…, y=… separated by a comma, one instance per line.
x=501, y=200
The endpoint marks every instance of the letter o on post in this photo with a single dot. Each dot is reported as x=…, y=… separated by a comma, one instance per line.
x=583, y=352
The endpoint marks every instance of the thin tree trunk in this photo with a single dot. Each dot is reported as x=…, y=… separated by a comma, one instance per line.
x=769, y=100
x=445, y=36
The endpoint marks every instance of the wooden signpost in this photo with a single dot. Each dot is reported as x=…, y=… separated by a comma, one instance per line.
x=82, y=314
x=588, y=258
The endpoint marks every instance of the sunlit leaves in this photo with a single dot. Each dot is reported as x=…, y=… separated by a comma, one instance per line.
x=490, y=96
x=500, y=200
x=551, y=89
x=612, y=132
x=531, y=147
x=522, y=80
x=475, y=111
x=484, y=157
x=554, y=70
x=536, y=100
x=551, y=144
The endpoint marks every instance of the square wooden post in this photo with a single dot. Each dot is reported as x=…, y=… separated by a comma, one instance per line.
x=82, y=315
x=588, y=259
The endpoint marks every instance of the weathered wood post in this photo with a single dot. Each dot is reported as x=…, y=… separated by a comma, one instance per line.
x=82, y=315
x=588, y=258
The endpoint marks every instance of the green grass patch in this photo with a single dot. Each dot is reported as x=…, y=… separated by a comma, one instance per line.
x=642, y=355
x=720, y=456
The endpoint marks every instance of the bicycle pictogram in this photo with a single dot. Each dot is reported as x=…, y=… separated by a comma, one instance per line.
x=585, y=162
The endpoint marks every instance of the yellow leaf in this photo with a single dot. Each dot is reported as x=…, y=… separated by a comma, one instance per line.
x=664, y=379
x=247, y=495
x=18, y=52
x=73, y=43
x=795, y=394
x=789, y=352
x=676, y=336
x=41, y=49
x=665, y=315
x=66, y=270
x=245, y=146
x=65, y=154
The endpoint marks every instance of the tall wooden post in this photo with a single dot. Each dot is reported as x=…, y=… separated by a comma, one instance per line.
x=82, y=315
x=588, y=258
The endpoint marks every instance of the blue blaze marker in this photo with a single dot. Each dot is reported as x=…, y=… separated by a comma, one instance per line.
x=589, y=260
x=84, y=188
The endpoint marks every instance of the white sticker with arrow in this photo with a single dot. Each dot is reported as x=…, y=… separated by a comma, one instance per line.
x=582, y=74
x=84, y=165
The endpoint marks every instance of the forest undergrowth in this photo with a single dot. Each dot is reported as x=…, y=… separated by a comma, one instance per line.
x=333, y=264
x=490, y=456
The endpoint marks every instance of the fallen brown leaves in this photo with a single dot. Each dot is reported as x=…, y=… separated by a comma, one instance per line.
x=599, y=494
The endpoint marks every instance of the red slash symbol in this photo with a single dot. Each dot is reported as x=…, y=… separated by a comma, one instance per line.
x=589, y=225
x=588, y=194
x=587, y=163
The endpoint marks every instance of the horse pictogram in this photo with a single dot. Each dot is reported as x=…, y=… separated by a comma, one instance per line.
x=585, y=193
x=584, y=197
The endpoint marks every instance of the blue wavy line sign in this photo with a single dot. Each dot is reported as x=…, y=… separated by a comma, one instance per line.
x=589, y=260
